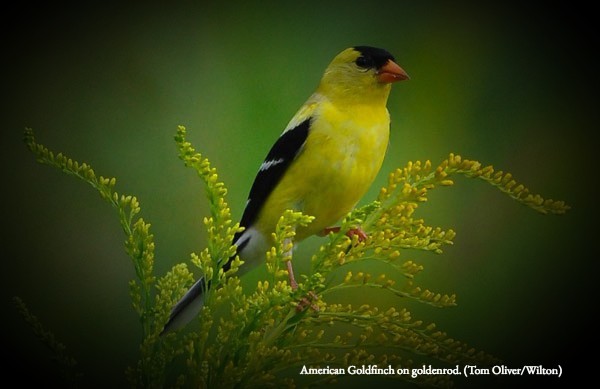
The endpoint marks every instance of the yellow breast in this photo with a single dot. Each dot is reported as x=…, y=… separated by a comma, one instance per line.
x=343, y=154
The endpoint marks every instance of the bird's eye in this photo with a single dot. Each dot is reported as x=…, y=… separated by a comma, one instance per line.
x=365, y=62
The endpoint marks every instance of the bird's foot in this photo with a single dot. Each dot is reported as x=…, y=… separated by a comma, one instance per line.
x=362, y=236
x=308, y=301
x=329, y=230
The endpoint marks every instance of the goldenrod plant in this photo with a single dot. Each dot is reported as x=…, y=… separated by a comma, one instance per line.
x=273, y=335
x=66, y=364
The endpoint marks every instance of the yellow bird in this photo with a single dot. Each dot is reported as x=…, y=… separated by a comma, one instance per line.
x=322, y=164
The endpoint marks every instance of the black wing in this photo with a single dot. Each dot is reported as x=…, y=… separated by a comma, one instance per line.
x=279, y=159
x=283, y=152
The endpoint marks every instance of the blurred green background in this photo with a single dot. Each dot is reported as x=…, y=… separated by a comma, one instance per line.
x=512, y=86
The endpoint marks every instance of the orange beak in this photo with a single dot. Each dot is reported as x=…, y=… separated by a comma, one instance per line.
x=391, y=72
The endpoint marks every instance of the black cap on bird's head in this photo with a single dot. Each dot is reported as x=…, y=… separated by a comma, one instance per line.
x=372, y=57
x=361, y=73
x=382, y=61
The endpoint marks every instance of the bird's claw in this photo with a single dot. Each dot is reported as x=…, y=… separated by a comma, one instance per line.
x=308, y=301
x=329, y=230
x=362, y=236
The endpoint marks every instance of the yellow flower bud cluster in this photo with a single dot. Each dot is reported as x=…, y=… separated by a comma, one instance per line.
x=261, y=335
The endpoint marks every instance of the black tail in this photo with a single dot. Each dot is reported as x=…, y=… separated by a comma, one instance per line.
x=192, y=302
x=188, y=307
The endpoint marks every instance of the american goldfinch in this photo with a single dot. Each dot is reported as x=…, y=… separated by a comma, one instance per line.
x=322, y=164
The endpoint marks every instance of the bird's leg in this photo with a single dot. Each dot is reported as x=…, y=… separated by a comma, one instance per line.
x=362, y=236
x=290, y=269
x=311, y=297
